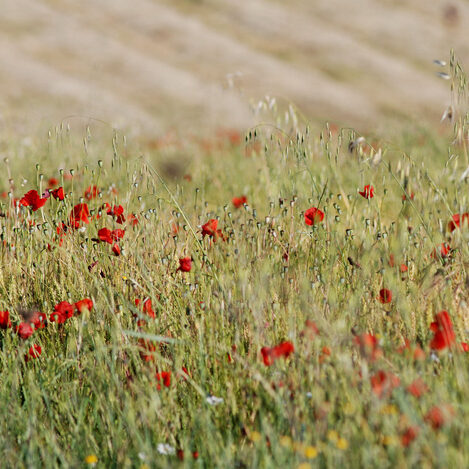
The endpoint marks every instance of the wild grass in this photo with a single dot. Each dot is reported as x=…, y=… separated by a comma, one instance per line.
x=91, y=397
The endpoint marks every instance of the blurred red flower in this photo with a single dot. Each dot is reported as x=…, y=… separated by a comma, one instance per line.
x=5, y=322
x=458, y=220
x=385, y=295
x=52, y=182
x=313, y=215
x=369, y=346
x=108, y=236
x=239, y=201
x=117, y=212
x=91, y=192
x=442, y=329
x=210, y=229
x=32, y=199
x=79, y=214
x=185, y=264
x=33, y=352
x=368, y=192
x=417, y=388
x=146, y=350
x=84, y=305
x=437, y=417
x=270, y=354
x=383, y=382
x=164, y=377
x=24, y=330
x=409, y=435
x=58, y=193
x=116, y=249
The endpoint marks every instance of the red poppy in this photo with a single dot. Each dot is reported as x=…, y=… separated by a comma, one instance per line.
x=417, y=388
x=310, y=329
x=442, y=329
x=34, y=352
x=369, y=346
x=313, y=215
x=403, y=268
x=416, y=352
x=118, y=213
x=368, y=192
x=147, y=307
x=239, y=201
x=146, y=350
x=79, y=214
x=164, y=377
x=465, y=347
x=32, y=199
x=5, y=322
x=52, y=182
x=445, y=250
x=108, y=236
x=409, y=436
x=91, y=192
x=38, y=319
x=58, y=193
x=84, y=305
x=458, y=220
x=24, y=330
x=404, y=197
x=62, y=311
x=185, y=264
x=437, y=417
x=116, y=249
x=383, y=382
x=132, y=219
x=210, y=229
x=385, y=295
x=270, y=354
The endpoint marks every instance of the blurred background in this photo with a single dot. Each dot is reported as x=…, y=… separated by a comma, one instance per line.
x=152, y=66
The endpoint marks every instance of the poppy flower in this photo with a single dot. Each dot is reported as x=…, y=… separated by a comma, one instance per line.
x=465, y=347
x=310, y=329
x=409, y=436
x=442, y=329
x=404, y=197
x=116, y=249
x=132, y=219
x=417, y=388
x=24, y=330
x=34, y=352
x=5, y=322
x=117, y=212
x=58, y=193
x=147, y=307
x=91, y=192
x=52, y=182
x=369, y=346
x=383, y=382
x=38, y=320
x=84, y=305
x=239, y=201
x=403, y=268
x=437, y=417
x=210, y=229
x=368, y=192
x=146, y=350
x=164, y=377
x=313, y=215
x=32, y=199
x=185, y=264
x=445, y=250
x=385, y=296
x=458, y=220
x=79, y=214
x=108, y=236
x=416, y=352
x=270, y=354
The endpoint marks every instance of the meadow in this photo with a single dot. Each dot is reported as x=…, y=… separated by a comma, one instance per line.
x=291, y=297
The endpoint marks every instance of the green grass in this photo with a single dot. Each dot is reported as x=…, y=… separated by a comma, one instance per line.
x=90, y=392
